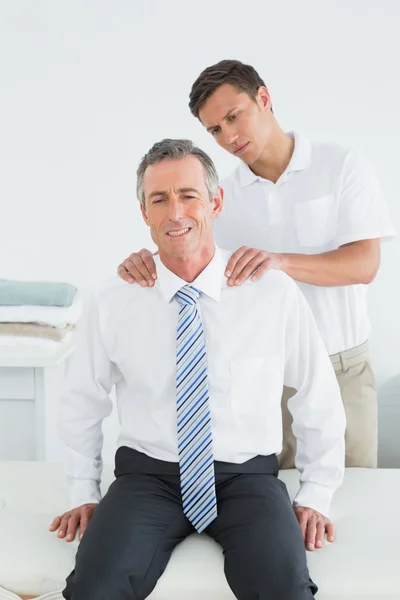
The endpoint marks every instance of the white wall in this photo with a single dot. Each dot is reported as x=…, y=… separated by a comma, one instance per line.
x=87, y=86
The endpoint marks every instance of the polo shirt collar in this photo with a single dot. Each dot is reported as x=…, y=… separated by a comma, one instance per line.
x=209, y=282
x=301, y=159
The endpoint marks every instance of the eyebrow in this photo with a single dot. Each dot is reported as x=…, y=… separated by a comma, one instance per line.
x=165, y=193
x=225, y=117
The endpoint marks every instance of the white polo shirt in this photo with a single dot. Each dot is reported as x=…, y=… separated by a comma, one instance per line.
x=328, y=196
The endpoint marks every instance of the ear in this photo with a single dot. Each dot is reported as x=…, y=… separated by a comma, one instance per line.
x=144, y=215
x=217, y=203
x=263, y=98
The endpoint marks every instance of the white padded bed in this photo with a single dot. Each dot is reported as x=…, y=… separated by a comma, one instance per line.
x=363, y=564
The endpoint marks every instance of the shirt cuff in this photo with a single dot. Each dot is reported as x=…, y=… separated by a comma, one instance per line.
x=316, y=496
x=83, y=491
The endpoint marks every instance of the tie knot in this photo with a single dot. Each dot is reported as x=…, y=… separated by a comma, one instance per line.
x=188, y=295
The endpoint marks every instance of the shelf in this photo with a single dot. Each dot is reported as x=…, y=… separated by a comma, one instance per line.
x=32, y=356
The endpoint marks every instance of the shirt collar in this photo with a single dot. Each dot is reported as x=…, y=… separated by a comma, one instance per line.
x=301, y=159
x=209, y=282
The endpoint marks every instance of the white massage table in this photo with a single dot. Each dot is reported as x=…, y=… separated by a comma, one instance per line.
x=363, y=563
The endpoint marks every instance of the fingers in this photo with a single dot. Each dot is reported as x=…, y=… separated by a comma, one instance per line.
x=319, y=539
x=233, y=260
x=69, y=522
x=148, y=260
x=249, y=267
x=73, y=523
x=139, y=267
x=84, y=523
x=86, y=514
x=247, y=264
x=330, y=531
x=138, y=270
x=55, y=524
x=302, y=519
x=63, y=526
x=123, y=273
x=311, y=533
x=262, y=269
x=313, y=526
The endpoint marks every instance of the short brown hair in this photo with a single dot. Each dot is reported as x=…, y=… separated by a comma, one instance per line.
x=243, y=77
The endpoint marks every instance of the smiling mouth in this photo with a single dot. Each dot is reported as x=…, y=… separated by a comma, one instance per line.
x=241, y=148
x=179, y=233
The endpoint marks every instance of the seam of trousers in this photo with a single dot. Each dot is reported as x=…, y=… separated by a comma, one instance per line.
x=162, y=536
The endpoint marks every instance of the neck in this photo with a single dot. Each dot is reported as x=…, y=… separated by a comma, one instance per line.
x=190, y=266
x=275, y=157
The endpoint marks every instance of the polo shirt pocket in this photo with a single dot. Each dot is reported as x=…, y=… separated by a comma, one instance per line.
x=316, y=221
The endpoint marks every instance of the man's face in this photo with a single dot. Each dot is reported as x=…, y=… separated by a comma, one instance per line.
x=238, y=123
x=178, y=210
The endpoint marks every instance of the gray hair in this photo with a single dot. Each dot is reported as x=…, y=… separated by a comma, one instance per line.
x=175, y=150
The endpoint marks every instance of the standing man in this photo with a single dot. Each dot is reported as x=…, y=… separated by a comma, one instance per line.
x=199, y=404
x=314, y=211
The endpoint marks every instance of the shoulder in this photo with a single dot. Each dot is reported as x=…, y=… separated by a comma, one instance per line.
x=114, y=291
x=328, y=153
x=274, y=284
x=232, y=181
x=340, y=158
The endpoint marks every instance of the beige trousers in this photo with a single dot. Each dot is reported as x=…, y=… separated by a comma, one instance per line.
x=357, y=387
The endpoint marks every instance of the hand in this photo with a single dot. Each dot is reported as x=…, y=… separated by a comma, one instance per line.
x=139, y=267
x=68, y=523
x=250, y=261
x=313, y=526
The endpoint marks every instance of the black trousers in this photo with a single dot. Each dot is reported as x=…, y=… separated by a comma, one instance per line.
x=140, y=520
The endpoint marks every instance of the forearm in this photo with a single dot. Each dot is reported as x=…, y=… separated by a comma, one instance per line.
x=320, y=447
x=82, y=441
x=317, y=409
x=350, y=264
x=82, y=407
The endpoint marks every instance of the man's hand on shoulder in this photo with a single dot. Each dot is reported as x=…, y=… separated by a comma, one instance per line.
x=250, y=262
x=68, y=523
x=139, y=267
x=313, y=526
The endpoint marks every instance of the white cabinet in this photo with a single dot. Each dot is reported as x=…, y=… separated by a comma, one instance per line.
x=30, y=383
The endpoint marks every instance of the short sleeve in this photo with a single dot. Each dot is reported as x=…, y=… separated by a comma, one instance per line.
x=362, y=210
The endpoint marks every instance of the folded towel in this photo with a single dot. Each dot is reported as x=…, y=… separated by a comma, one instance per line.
x=7, y=595
x=43, y=315
x=32, y=342
x=36, y=293
x=32, y=330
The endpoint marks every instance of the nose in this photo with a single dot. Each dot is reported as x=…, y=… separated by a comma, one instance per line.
x=176, y=210
x=230, y=137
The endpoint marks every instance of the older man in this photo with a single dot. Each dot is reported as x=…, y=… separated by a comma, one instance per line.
x=199, y=368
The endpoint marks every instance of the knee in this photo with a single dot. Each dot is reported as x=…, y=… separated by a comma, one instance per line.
x=282, y=584
x=95, y=582
x=292, y=585
x=102, y=584
x=88, y=585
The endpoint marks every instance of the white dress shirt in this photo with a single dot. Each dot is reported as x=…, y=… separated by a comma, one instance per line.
x=328, y=196
x=258, y=337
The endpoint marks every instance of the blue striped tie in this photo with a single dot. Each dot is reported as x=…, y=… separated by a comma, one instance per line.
x=196, y=460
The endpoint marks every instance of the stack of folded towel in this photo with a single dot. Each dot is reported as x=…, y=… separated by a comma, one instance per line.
x=37, y=313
